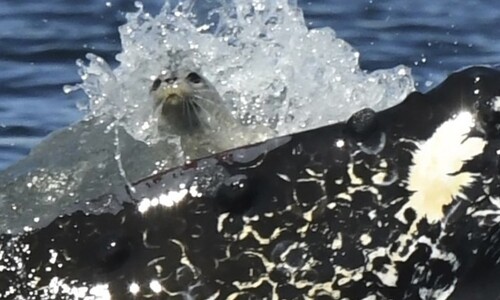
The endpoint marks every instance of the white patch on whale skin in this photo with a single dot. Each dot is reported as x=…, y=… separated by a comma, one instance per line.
x=432, y=177
x=496, y=103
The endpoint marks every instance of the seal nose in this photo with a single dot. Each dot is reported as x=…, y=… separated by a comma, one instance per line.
x=171, y=80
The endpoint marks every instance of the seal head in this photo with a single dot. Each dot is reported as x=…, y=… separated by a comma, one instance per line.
x=185, y=102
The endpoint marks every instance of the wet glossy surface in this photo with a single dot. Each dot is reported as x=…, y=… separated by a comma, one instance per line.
x=316, y=216
x=40, y=41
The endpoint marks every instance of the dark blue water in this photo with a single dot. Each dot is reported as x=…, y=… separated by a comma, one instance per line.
x=40, y=41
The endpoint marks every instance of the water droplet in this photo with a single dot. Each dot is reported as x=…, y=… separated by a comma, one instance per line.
x=112, y=251
x=387, y=175
x=68, y=89
x=280, y=248
x=295, y=258
x=363, y=122
x=184, y=276
x=236, y=194
x=363, y=125
x=374, y=145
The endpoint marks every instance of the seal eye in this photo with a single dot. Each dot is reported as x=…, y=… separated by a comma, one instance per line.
x=193, y=77
x=156, y=84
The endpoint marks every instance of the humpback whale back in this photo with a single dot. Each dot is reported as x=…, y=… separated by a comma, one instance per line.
x=397, y=204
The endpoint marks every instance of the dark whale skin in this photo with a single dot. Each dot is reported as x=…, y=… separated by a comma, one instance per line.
x=329, y=213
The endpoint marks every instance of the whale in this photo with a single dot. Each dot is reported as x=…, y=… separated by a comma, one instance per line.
x=402, y=203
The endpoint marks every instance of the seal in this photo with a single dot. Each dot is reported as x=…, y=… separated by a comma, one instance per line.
x=186, y=104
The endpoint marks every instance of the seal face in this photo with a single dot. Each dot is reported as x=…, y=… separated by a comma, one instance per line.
x=186, y=103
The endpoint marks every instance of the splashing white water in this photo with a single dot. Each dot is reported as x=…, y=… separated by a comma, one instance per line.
x=268, y=67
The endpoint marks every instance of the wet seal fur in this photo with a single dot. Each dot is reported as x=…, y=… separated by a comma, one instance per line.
x=326, y=214
x=186, y=104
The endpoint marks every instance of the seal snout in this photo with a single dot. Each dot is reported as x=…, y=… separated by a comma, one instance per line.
x=171, y=80
x=169, y=91
x=185, y=102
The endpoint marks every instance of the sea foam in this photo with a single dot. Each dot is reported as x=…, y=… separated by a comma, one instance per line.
x=268, y=66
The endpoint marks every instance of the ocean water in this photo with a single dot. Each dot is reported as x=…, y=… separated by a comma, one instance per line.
x=40, y=42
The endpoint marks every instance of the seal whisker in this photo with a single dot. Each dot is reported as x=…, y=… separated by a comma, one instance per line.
x=183, y=108
x=197, y=105
x=190, y=111
x=206, y=99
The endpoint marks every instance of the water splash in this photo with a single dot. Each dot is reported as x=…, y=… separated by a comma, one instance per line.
x=271, y=70
x=268, y=66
